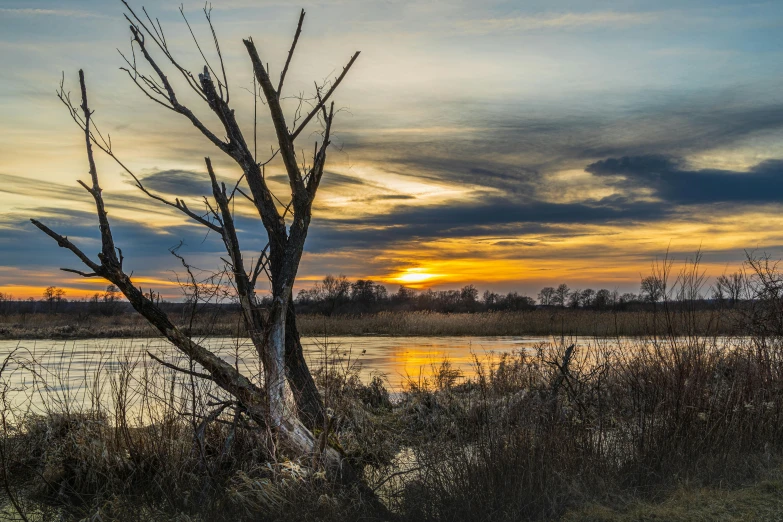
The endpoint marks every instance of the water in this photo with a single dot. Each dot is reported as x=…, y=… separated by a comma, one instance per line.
x=64, y=371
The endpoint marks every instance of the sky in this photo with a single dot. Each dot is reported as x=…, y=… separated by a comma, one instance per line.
x=511, y=145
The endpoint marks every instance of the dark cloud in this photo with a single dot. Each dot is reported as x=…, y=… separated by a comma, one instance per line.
x=336, y=180
x=392, y=197
x=145, y=248
x=486, y=217
x=18, y=185
x=675, y=184
x=510, y=146
x=513, y=150
x=676, y=188
x=179, y=183
x=496, y=211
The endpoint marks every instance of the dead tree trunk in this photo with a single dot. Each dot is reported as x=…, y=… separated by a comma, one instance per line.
x=308, y=399
x=288, y=385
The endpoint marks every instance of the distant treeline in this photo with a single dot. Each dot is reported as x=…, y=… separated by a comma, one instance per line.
x=54, y=301
x=340, y=296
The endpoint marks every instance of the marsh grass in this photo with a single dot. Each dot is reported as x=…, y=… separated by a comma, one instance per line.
x=759, y=501
x=542, y=434
x=626, y=426
x=130, y=440
x=542, y=322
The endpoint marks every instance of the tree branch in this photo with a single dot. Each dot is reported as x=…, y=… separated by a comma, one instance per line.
x=161, y=43
x=106, y=148
x=107, y=241
x=183, y=370
x=79, y=272
x=138, y=37
x=287, y=151
x=321, y=103
x=290, y=53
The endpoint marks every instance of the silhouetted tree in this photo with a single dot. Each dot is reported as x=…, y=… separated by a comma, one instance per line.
x=106, y=303
x=54, y=297
x=490, y=299
x=561, y=295
x=729, y=287
x=365, y=291
x=516, y=301
x=586, y=297
x=629, y=297
x=546, y=296
x=574, y=299
x=652, y=289
x=603, y=299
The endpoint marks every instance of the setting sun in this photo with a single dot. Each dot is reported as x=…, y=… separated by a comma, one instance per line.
x=415, y=277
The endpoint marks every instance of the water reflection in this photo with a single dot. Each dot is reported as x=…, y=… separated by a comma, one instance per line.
x=401, y=358
x=64, y=371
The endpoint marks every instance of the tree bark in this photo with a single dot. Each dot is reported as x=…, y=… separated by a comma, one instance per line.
x=308, y=400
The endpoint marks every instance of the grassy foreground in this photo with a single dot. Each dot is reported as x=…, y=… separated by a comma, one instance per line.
x=674, y=429
x=759, y=501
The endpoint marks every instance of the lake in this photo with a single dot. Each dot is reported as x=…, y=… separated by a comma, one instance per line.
x=63, y=371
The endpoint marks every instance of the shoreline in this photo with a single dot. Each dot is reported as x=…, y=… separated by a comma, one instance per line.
x=537, y=323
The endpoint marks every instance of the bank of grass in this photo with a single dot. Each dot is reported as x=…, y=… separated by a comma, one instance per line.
x=542, y=322
x=760, y=501
x=675, y=427
x=130, y=442
x=623, y=427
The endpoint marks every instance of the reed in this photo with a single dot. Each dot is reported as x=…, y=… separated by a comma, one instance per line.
x=542, y=322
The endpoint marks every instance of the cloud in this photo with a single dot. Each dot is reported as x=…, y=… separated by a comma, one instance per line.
x=390, y=197
x=561, y=21
x=50, y=12
x=145, y=248
x=500, y=217
x=179, y=183
x=24, y=186
x=673, y=183
x=520, y=145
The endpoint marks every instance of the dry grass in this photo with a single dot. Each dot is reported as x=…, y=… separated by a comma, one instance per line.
x=623, y=426
x=543, y=322
x=133, y=441
x=760, y=501
x=127, y=325
x=623, y=436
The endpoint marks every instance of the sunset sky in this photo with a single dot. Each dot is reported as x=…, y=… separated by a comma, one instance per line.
x=512, y=145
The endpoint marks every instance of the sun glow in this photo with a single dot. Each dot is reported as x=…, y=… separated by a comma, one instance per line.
x=415, y=277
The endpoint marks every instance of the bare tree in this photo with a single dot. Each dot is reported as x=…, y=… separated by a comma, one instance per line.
x=272, y=329
x=729, y=287
x=586, y=297
x=54, y=296
x=574, y=299
x=652, y=289
x=603, y=299
x=546, y=296
x=561, y=295
x=335, y=291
